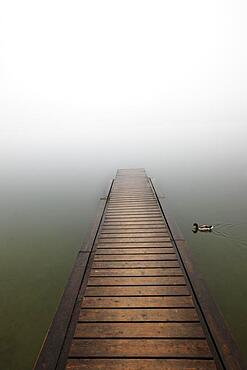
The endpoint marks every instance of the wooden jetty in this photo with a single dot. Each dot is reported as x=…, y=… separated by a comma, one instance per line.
x=134, y=299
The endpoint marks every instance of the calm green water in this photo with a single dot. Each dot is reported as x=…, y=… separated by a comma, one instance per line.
x=50, y=187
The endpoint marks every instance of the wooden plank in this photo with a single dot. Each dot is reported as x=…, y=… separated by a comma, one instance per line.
x=130, y=198
x=139, y=191
x=132, y=212
x=138, y=330
x=127, y=231
x=137, y=263
x=134, y=264
x=136, y=257
x=140, y=348
x=137, y=302
x=134, y=240
x=113, y=235
x=133, y=219
x=134, y=228
x=128, y=190
x=137, y=251
x=138, y=217
x=132, y=205
x=126, y=204
x=135, y=245
x=136, y=280
x=133, y=223
x=136, y=214
x=119, y=192
x=133, y=208
x=165, y=290
x=138, y=314
x=133, y=191
x=140, y=364
x=132, y=202
x=137, y=272
x=134, y=186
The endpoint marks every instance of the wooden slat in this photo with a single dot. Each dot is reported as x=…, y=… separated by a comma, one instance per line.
x=165, y=290
x=134, y=223
x=134, y=240
x=114, y=235
x=139, y=314
x=137, y=302
x=131, y=203
x=147, y=217
x=133, y=228
x=138, y=330
x=140, y=191
x=127, y=209
x=140, y=364
x=140, y=251
x=141, y=245
x=136, y=213
x=136, y=280
x=136, y=257
x=128, y=205
x=146, y=209
x=134, y=264
x=143, y=195
x=137, y=272
x=134, y=204
x=140, y=348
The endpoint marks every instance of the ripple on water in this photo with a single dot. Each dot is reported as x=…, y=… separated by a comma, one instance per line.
x=235, y=233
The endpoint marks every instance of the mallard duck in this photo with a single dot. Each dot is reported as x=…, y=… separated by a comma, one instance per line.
x=197, y=227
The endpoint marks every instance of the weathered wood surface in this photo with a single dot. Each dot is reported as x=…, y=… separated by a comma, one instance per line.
x=140, y=364
x=136, y=308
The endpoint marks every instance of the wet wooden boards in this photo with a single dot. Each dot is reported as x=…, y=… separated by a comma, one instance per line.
x=136, y=308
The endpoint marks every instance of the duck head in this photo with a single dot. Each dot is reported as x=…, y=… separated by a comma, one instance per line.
x=195, y=227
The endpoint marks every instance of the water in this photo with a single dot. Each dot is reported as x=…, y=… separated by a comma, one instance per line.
x=51, y=182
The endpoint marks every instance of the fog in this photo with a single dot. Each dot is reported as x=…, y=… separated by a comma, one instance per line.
x=143, y=80
x=75, y=64
x=87, y=87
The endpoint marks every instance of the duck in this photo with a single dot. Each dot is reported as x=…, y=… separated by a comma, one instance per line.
x=205, y=227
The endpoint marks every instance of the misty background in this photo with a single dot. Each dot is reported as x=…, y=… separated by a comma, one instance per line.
x=87, y=87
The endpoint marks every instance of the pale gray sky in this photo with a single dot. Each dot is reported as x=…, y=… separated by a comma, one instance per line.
x=65, y=64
